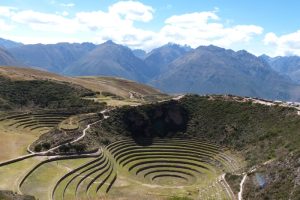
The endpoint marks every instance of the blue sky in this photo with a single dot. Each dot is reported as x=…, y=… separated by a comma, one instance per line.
x=259, y=26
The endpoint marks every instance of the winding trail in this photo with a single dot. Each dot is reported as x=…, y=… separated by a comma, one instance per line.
x=240, y=194
x=17, y=159
x=178, y=97
x=73, y=141
x=227, y=186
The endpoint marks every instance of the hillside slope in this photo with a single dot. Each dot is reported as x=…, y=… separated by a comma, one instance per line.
x=34, y=94
x=214, y=70
x=6, y=59
x=117, y=86
x=9, y=43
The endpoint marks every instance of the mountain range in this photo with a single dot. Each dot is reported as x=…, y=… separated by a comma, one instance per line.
x=210, y=69
x=171, y=68
x=159, y=58
x=286, y=65
x=53, y=57
x=110, y=59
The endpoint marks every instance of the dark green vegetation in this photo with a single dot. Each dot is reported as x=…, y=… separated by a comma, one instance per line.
x=149, y=121
x=8, y=195
x=42, y=94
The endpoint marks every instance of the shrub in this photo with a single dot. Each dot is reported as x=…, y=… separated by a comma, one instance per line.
x=38, y=148
x=79, y=147
x=46, y=145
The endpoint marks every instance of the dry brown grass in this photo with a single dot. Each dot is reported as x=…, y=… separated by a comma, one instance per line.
x=14, y=145
x=118, y=86
x=14, y=142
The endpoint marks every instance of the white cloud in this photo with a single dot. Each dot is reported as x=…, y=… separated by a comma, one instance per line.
x=120, y=16
x=69, y=5
x=45, y=22
x=203, y=28
x=118, y=24
x=4, y=26
x=133, y=37
x=288, y=44
x=192, y=19
x=6, y=11
x=100, y=20
x=132, y=10
x=65, y=13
